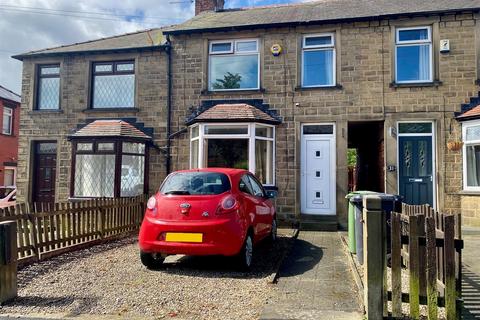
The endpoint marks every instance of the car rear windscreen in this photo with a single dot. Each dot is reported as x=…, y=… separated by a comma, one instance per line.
x=196, y=183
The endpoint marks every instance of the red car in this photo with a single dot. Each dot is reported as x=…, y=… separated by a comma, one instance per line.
x=212, y=211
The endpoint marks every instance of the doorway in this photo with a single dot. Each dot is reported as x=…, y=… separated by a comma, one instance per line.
x=44, y=171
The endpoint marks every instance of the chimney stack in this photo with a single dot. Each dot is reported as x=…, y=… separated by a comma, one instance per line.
x=208, y=5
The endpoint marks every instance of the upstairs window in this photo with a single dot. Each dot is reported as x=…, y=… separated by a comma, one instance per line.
x=113, y=85
x=471, y=155
x=7, y=127
x=234, y=65
x=413, y=55
x=48, y=87
x=318, y=60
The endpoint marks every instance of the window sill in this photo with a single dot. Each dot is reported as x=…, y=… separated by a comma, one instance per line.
x=106, y=110
x=469, y=193
x=335, y=87
x=7, y=135
x=239, y=92
x=435, y=83
x=32, y=112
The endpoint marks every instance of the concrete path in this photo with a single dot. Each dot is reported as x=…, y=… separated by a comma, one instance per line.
x=471, y=273
x=315, y=281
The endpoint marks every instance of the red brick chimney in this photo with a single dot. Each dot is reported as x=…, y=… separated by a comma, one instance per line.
x=208, y=5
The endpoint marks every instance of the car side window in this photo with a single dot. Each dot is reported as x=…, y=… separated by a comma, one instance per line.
x=245, y=185
x=257, y=187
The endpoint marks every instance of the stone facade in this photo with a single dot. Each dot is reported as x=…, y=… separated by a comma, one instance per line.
x=365, y=63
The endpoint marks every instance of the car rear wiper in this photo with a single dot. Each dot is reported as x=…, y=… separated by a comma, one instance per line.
x=178, y=192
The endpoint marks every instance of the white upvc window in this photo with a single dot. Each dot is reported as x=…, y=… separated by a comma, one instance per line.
x=249, y=146
x=234, y=65
x=7, y=126
x=318, y=60
x=413, y=55
x=471, y=155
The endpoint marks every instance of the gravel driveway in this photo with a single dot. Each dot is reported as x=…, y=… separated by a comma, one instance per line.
x=110, y=280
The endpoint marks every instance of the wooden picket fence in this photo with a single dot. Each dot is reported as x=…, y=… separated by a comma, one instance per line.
x=46, y=230
x=428, y=244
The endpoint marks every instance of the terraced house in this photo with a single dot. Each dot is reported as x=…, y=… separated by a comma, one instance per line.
x=283, y=91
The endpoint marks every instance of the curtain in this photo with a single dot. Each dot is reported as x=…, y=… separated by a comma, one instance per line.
x=424, y=62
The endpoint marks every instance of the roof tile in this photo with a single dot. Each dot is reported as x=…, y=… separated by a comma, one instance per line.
x=110, y=128
x=234, y=112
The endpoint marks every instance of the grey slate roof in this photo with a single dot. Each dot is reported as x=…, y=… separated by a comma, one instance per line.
x=150, y=38
x=9, y=95
x=321, y=11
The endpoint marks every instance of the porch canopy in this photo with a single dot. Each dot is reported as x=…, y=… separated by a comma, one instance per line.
x=234, y=135
x=109, y=159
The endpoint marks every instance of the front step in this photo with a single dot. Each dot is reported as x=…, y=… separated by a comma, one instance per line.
x=318, y=223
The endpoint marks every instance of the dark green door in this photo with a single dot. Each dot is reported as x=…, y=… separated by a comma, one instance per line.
x=416, y=169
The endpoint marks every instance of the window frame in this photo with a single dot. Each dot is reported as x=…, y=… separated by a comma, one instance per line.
x=14, y=169
x=118, y=153
x=410, y=43
x=10, y=129
x=323, y=47
x=114, y=72
x=251, y=137
x=233, y=52
x=465, y=126
x=38, y=79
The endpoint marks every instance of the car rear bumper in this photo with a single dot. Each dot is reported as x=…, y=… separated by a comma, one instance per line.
x=220, y=237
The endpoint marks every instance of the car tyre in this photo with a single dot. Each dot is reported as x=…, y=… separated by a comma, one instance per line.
x=245, y=256
x=151, y=261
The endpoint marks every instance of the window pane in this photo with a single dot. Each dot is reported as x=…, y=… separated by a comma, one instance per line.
x=103, y=68
x=116, y=91
x=412, y=35
x=318, y=41
x=84, y=146
x=413, y=63
x=132, y=176
x=422, y=127
x=229, y=153
x=264, y=161
x=106, y=146
x=94, y=175
x=198, y=183
x=473, y=166
x=194, y=150
x=261, y=131
x=9, y=177
x=7, y=121
x=130, y=147
x=247, y=46
x=221, y=47
x=195, y=131
x=49, y=70
x=233, y=72
x=318, y=68
x=318, y=129
x=226, y=130
x=472, y=133
x=125, y=67
x=48, y=93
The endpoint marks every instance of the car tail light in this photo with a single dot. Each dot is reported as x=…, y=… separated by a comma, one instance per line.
x=152, y=203
x=227, y=204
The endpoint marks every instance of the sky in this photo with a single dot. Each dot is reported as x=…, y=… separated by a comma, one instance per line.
x=27, y=25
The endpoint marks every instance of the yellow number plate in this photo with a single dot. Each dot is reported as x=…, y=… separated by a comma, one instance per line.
x=183, y=237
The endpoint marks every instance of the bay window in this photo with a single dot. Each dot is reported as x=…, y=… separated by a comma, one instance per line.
x=234, y=65
x=471, y=155
x=106, y=168
x=413, y=55
x=248, y=146
x=318, y=60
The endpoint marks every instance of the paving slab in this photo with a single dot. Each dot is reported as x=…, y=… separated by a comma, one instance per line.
x=315, y=282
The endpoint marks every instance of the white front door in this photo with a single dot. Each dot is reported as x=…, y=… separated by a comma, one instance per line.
x=318, y=169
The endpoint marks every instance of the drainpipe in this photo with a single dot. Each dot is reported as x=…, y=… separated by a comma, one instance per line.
x=168, y=50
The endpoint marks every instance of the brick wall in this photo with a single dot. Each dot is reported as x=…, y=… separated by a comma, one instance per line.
x=9, y=144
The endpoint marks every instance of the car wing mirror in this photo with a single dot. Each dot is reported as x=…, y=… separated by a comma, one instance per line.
x=271, y=194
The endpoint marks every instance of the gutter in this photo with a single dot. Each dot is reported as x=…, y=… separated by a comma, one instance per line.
x=168, y=50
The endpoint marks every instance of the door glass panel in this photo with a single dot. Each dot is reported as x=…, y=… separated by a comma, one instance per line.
x=318, y=129
x=47, y=147
x=422, y=158
x=422, y=127
x=407, y=158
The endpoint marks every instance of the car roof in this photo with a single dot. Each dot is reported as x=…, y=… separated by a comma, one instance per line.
x=227, y=171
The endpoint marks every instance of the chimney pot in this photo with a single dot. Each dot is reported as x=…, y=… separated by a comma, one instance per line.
x=208, y=5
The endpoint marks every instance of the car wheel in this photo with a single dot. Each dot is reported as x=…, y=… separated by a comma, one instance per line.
x=151, y=260
x=273, y=232
x=245, y=256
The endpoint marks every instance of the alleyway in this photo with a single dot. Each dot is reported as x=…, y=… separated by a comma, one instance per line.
x=471, y=274
x=315, y=282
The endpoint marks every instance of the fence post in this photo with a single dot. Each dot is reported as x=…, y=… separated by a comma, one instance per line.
x=374, y=256
x=8, y=260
